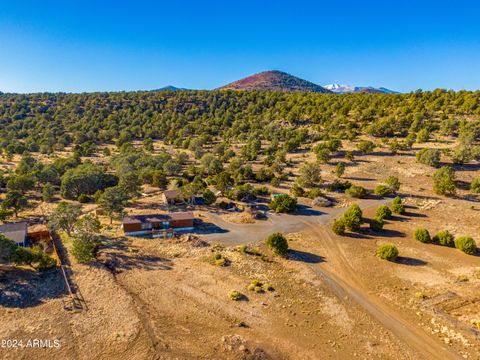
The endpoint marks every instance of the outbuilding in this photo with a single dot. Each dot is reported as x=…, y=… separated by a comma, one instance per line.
x=15, y=231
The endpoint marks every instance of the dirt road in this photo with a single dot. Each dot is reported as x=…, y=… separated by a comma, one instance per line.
x=340, y=276
x=337, y=272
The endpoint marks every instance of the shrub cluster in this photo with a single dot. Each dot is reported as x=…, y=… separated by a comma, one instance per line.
x=444, y=238
x=397, y=206
x=283, y=204
x=352, y=220
x=387, y=252
x=466, y=244
x=422, y=235
x=463, y=243
x=356, y=191
x=277, y=243
x=383, y=212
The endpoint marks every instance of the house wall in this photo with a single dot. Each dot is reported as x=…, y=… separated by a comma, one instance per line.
x=132, y=227
x=187, y=223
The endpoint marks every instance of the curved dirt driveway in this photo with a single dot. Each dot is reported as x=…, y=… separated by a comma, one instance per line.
x=337, y=272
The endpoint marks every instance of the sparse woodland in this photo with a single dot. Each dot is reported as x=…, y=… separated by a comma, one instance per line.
x=203, y=127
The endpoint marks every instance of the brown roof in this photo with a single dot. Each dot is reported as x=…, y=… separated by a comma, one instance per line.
x=131, y=220
x=171, y=194
x=187, y=215
x=138, y=219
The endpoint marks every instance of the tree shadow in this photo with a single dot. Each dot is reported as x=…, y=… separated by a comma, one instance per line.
x=414, y=215
x=391, y=233
x=205, y=228
x=362, y=234
x=356, y=178
x=23, y=288
x=305, y=210
x=405, y=260
x=306, y=257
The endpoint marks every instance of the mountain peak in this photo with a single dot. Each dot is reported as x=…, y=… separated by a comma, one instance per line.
x=274, y=80
x=342, y=89
x=169, y=87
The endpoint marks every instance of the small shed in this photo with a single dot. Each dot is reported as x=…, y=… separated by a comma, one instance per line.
x=170, y=197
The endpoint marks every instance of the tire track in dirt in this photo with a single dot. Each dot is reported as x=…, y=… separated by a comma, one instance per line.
x=142, y=312
x=345, y=283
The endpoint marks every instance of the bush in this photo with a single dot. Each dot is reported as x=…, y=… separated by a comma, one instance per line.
x=235, y=295
x=256, y=286
x=393, y=183
x=422, y=235
x=387, y=252
x=353, y=218
x=321, y=201
x=429, y=157
x=83, y=250
x=444, y=181
x=297, y=191
x=365, y=146
x=283, y=204
x=475, y=186
x=82, y=198
x=338, y=227
x=423, y=136
x=312, y=194
x=220, y=260
x=466, y=244
x=383, y=212
x=338, y=185
x=34, y=257
x=397, y=206
x=357, y=192
x=376, y=224
x=444, y=238
x=382, y=190
x=209, y=197
x=277, y=243
x=7, y=249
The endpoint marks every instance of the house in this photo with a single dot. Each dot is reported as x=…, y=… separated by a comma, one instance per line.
x=149, y=224
x=170, y=197
x=16, y=232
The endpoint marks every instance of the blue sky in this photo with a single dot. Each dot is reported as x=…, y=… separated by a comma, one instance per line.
x=86, y=45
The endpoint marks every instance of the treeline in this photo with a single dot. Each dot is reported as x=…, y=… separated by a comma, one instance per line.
x=47, y=122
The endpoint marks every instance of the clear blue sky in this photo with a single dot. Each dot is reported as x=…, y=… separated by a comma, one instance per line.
x=100, y=45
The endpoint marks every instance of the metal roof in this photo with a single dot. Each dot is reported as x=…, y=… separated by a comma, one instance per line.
x=15, y=231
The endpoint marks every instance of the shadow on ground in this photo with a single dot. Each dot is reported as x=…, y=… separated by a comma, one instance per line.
x=305, y=210
x=404, y=260
x=305, y=256
x=22, y=288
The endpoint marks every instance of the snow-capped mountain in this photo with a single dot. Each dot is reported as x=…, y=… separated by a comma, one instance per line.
x=342, y=89
x=339, y=88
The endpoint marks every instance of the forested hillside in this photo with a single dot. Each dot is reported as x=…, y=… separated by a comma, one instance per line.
x=46, y=122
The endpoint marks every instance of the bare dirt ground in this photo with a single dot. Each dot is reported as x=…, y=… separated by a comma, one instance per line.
x=332, y=298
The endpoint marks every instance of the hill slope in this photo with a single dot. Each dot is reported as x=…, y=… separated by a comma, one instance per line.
x=274, y=81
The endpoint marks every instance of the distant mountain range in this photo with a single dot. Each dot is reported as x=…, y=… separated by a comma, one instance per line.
x=170, y=88
x=274, y=80
x=343, y=89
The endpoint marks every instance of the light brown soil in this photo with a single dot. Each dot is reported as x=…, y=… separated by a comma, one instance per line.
x=156, y=299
